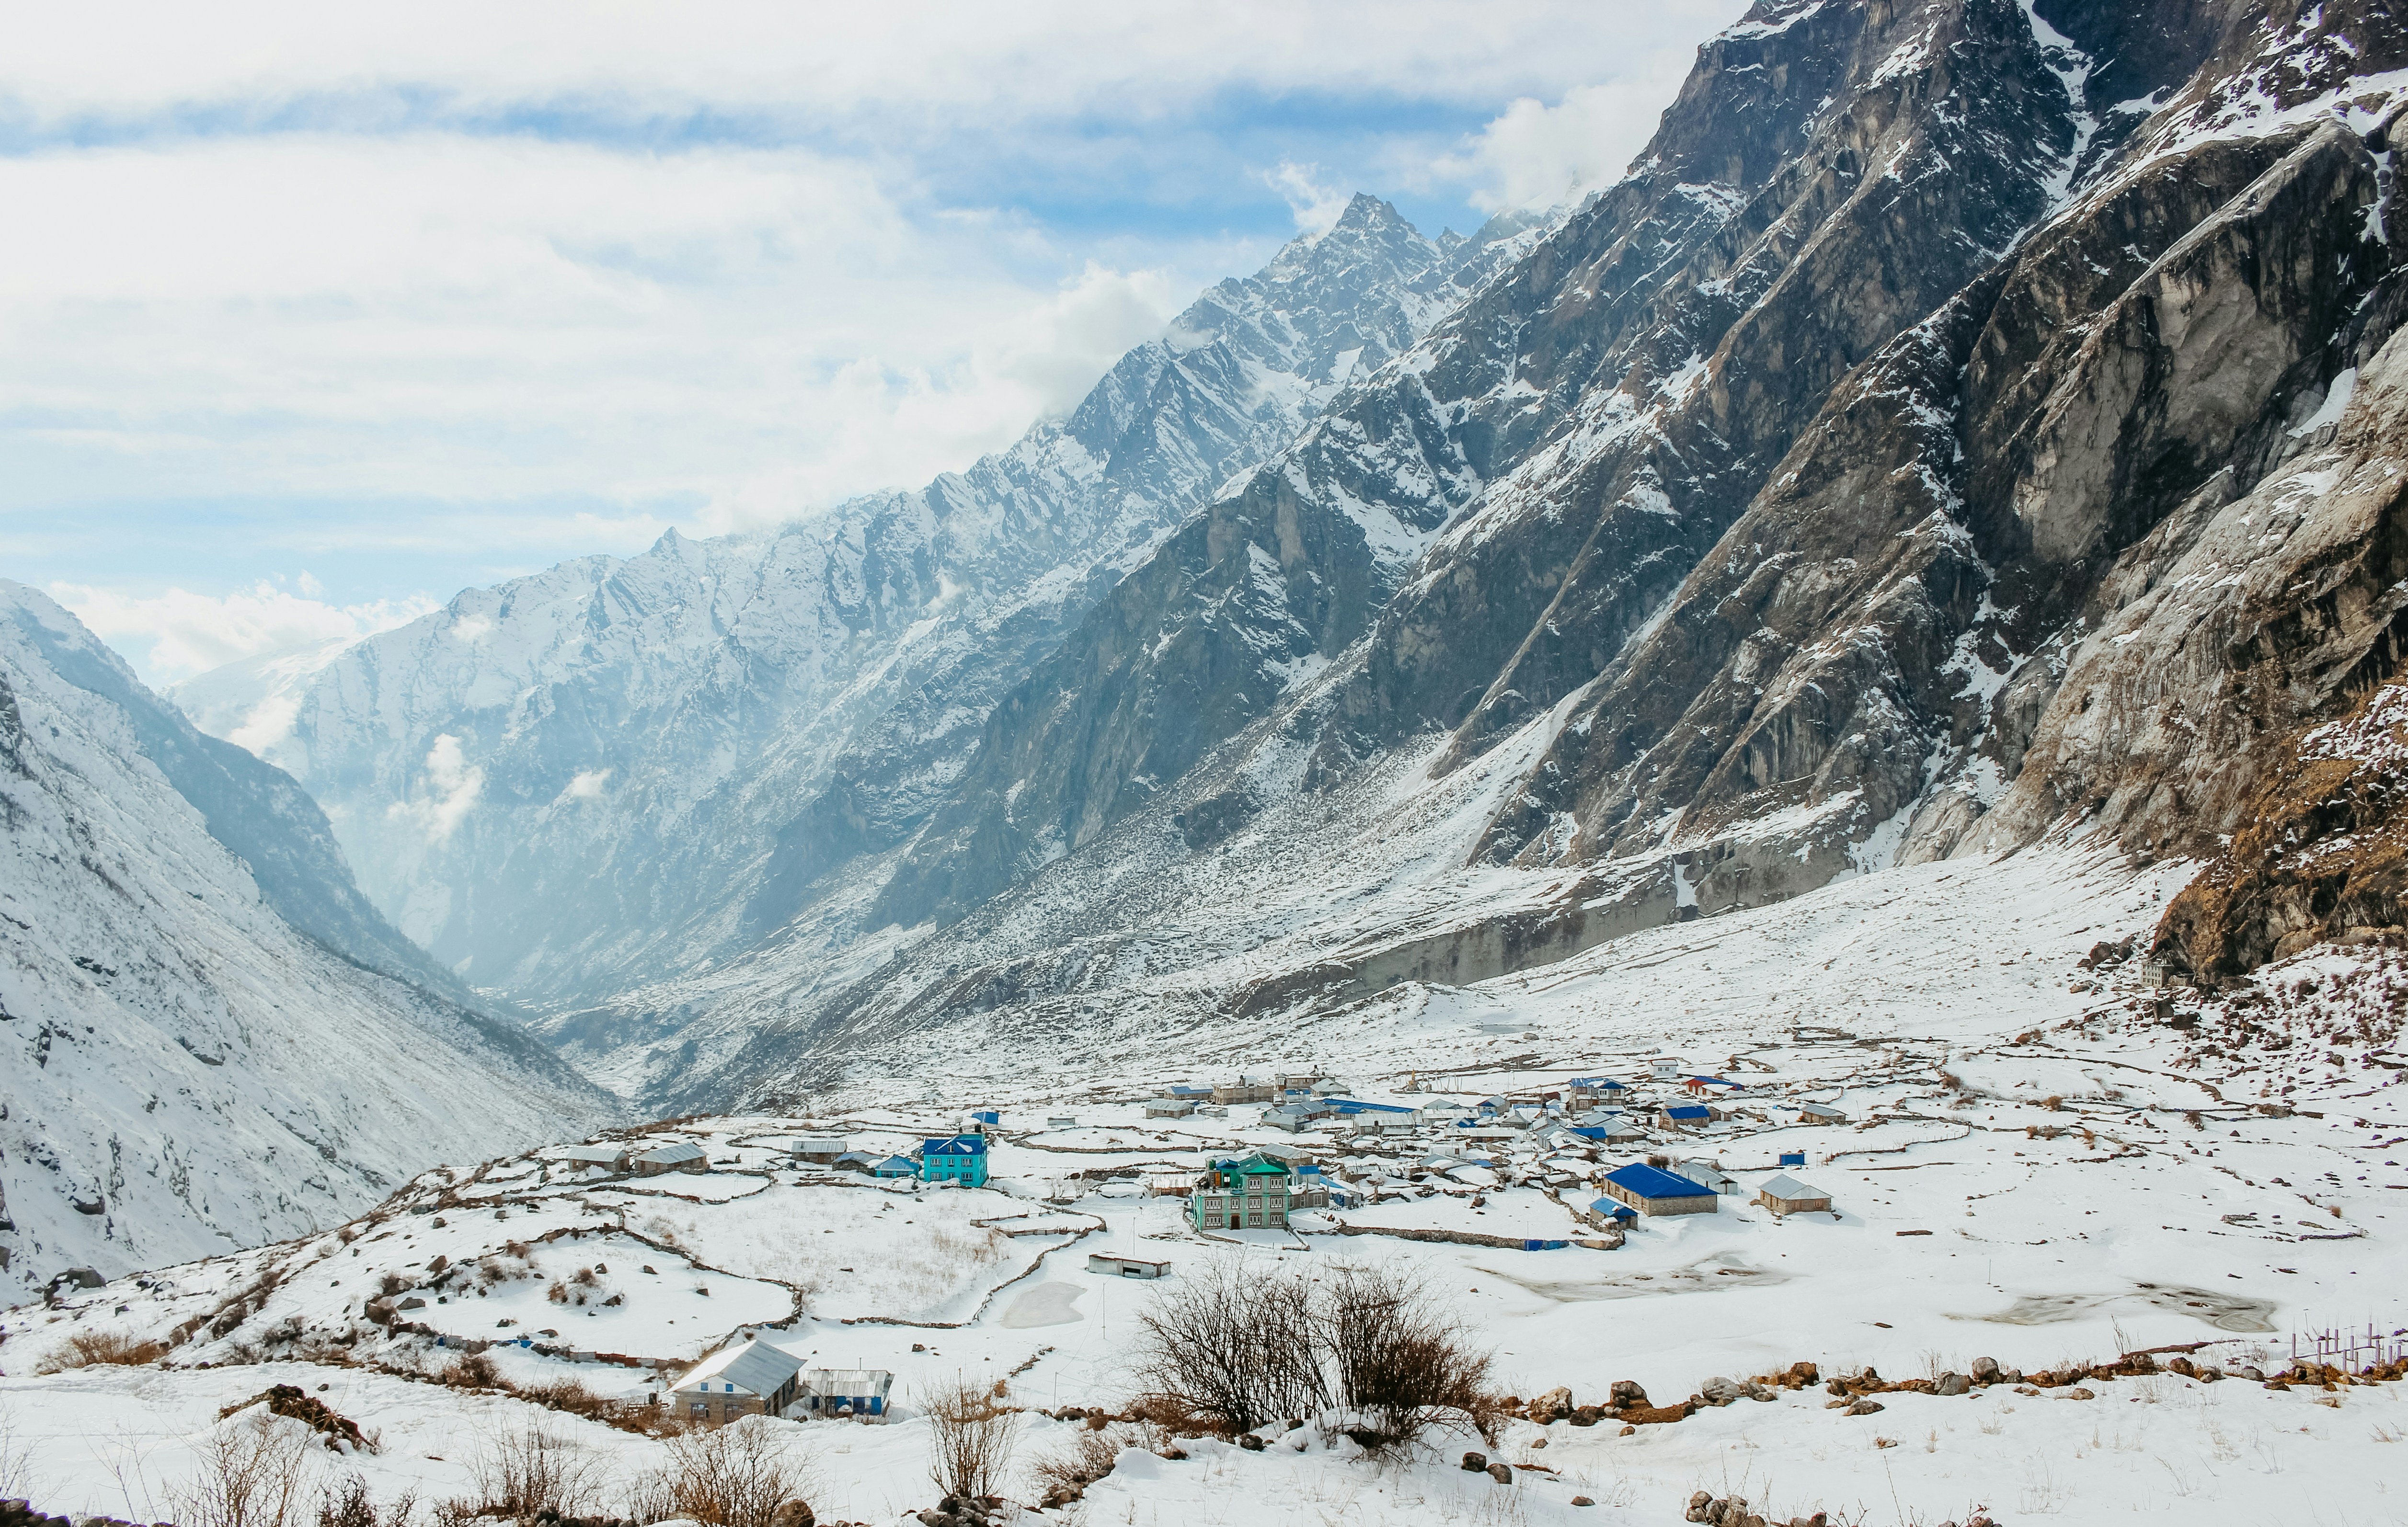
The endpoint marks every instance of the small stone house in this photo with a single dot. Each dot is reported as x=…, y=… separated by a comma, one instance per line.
x=611, y=1157
x=1170, y=1107
x=1786, y=1194
x=823, y=1149
x=1608, y=1211
x=1820, y=1113
x=1252, y=1193
x=1244, y=1090
x=744, y=1378
x=685, y=1156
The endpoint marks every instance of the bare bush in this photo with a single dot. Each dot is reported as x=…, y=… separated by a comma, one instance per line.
x=734, y=1475
x=1403, y=1363
x=16, y=1458
x=1245, y=1345
x=347, y=1505
x=1088, y=1455
x=1234, y=1343
x=86, y=1348
x=527, y=1469
x=255, y=1471
x=970, y=1437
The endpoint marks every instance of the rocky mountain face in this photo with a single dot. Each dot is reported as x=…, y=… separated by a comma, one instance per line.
x=1959, y=429
x=615, y=770
x=207, y=1039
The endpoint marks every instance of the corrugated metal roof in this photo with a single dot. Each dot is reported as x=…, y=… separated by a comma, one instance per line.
x=752, y=1366
x=1693, y=1111
x=594, y=1153
x=670, y=1155
x=1785, y=1186
x=1655, y=1182
x=960, y=1144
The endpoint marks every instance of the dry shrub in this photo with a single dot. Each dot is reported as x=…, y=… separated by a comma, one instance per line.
x=348, y=1504
x=1402, y=1361
x=474, y=1371
x=1245, y=1345
x=970, y=1437
x=16, y=1458
x=87, y=1348
x=255, y=1471
x=528, y=1469
x=1088, y=1455
x=733, y=1475
x=1236, y=1343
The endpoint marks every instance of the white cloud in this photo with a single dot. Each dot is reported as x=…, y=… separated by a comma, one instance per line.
x=177, y=633
x=461, y=318
x=1315, y=203
x=1533, y=154
x=992, y=63
x=586, y=785
x=452, y=786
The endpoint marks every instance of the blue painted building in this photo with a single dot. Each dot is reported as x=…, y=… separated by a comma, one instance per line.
x=961, y=1158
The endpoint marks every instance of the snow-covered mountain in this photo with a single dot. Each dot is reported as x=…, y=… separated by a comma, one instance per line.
x=1970, y=421
x=1957, y=430
x=614, y=769
x=207, y=1038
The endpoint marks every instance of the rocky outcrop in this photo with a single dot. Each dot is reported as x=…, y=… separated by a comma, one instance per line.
x=2321, y=857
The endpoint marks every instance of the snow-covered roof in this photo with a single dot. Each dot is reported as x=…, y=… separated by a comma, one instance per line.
x=753, y=1366
x=611, y=1154
x=1785, y=1186
x=670, y=1155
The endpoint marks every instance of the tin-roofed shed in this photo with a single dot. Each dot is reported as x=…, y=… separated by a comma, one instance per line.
x=685, y=1156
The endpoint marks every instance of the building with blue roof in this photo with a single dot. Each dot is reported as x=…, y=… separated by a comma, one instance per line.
x=961, y=1158
x=1652, y=1190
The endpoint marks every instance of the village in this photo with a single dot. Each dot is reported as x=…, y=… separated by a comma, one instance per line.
x=1958, y=1226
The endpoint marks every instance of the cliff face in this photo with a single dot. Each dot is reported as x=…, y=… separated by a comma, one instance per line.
x=1494, y=515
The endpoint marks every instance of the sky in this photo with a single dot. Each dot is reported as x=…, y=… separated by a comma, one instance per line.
x=316, y=314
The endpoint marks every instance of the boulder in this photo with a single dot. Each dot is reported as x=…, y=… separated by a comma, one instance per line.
x=1475, y=1462
x=794, y=1513
x=1501, y=1473
x=1986, y=1370
x=1865, y=1407
x=1953, y=1383
x=1625, y=1394
x=1719, y=1390
x=1554, y=1406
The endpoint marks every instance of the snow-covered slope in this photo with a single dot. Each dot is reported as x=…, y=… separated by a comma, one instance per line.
x=185, y=1066
x=613, y=769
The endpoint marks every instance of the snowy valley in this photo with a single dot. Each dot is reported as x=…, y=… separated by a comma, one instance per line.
x=1777, y=793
